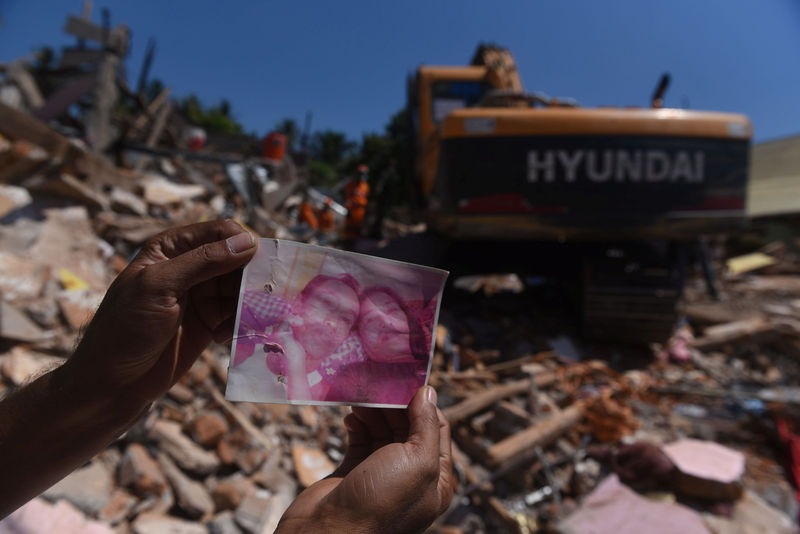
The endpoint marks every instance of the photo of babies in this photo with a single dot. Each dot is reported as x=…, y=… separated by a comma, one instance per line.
x=323, y=326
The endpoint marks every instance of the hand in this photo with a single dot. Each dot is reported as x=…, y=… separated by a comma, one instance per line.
x=174, y=298
x=396, y=476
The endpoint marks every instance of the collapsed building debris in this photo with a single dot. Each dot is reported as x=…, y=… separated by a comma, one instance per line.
x=77, y=199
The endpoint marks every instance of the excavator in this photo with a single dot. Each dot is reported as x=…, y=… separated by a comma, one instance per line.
x=614, y=198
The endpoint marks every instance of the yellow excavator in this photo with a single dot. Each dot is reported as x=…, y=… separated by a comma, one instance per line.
x=616, y=196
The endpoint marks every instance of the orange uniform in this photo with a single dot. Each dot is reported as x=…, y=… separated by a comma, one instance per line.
x=327, y=220
x=356, y=193
x=308, y=216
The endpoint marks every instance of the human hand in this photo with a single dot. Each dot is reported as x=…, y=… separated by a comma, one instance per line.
x=175, y=297
x=396, y=476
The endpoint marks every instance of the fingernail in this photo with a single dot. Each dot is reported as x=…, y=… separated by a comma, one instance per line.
x=240, y=242
x=430, y=394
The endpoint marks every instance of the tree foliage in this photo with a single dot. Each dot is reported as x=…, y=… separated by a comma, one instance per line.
x=291, y=130
x=334, y=157
x=215, y=118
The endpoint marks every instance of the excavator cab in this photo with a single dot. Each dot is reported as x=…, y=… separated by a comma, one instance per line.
x=494, y=162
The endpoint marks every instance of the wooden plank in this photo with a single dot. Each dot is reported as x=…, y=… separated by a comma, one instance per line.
x=731, y=332
x=241, y=418
x=152, y=107
x=21, y=160
x=155, y=133
x=66, y=95
x=76, y=57
x=539, y=435
x=17, y=73
x=84, y=29
x=15, y=124
x=485, y=399
x=98, y=123
x=66, y=185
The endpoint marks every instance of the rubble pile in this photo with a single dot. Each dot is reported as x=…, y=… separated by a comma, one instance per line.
x=562, y=436
x=550, y=434
x=696, y=435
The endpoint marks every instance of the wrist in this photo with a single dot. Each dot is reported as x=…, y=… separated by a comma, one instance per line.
x=324, y=516
x=96, y=400
x=323, y=525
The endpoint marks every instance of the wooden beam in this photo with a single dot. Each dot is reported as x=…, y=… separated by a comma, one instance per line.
x=241, y=418
x=538, y=435
x=18, y=73
x=155, y=133
x=731, y=333
x=84, y=29
x=75, y=57
x=66, y=95
x=15, y=124
x=485, y=399
x=152, y=107
x=98, y=122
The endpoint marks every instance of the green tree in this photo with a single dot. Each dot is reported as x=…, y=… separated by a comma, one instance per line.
x=291, y=130
x=332, y=147
x=331, y=153
x=217, y=118
x=153, y=89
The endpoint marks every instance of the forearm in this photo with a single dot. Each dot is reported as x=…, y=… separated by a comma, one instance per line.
x=54, y=425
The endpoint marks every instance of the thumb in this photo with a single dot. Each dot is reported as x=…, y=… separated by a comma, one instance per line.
x=423, y=421
x=205, y=262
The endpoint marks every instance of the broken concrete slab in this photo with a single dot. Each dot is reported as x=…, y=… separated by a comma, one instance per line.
x=20, y=278
x=706, y=469
x=161, y=192
x=78, y=306
x=88, y=488
x=18, y=237
x=613, y=507
x=68, y=241
x=127, y=202
x=148, y=523
x=186, y=453
x=13, y=198
x=39, y=515
x=22, y=160
x=209, y=428
x=191, y=496
x=118, y=507
x=68, y=186
x=14, y=324
x=311, y=464
x=752, y=515
x=223, y=523
x=139, y=471
x=251, y=512
x=21, y=365
x=227, y=495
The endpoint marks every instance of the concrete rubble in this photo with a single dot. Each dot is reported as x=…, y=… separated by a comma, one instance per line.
x=549, y=434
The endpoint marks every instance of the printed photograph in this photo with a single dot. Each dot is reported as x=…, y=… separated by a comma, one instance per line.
x=322, y=326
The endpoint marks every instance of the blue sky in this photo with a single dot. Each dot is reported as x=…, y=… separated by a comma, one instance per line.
x=347, y=61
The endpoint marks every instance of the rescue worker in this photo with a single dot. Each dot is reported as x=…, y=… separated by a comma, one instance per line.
x=326, y=217
x=356, y=193
x=307, y=215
